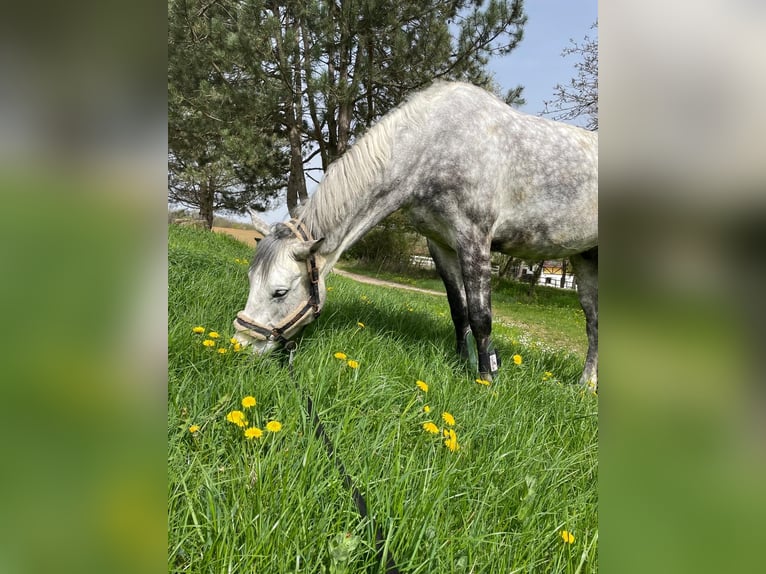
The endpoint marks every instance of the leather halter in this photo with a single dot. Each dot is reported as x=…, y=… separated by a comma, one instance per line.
x=255, y=330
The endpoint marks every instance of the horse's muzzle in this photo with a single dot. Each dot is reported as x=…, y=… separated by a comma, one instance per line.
x=256, y=346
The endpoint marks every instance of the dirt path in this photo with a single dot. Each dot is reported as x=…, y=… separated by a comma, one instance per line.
x=382, y=283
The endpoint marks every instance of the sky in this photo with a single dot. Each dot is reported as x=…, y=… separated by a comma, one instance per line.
x=536, y=63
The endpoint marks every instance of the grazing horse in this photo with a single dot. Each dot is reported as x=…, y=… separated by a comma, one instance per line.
x=475, y=176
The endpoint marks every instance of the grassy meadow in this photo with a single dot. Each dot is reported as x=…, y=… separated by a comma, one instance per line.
x=515, y=490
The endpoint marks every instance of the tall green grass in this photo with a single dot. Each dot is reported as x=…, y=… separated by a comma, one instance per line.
x=525, y=470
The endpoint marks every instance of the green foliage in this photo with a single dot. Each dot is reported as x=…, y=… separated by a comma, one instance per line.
x=256, y=89
x=526, y=468
x=223, y=150
x=342, y=550
x=387, y=245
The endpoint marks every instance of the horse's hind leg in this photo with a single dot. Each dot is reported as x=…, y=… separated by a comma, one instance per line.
x=448, y=267
x=586, y=270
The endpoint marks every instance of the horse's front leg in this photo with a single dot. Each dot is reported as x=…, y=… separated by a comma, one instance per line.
x=477, y=276
x=448, y=266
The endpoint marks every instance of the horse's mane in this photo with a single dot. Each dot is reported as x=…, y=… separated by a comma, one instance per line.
x=364, y=164
x=268, y=250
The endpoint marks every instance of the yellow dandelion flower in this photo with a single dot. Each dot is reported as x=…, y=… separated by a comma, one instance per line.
x=193, y=428
x=341, y=356
x=426, y=409
x=198, y=330
x=273, y=426
x=353, y=364
x=253, y=432
x=208, y=343
x=222, y=351
x=248, y=402
x=517, y=359
x=360, y=324
x=236, y=417
x=213, y=335
x=233, y=341
x=330, y=288
x=430, y=427
x=237, y=347
x=567, y=536
x=483, y=382
x=422, y=386
x=449, y=419
x=547, y=375
x=451, y=441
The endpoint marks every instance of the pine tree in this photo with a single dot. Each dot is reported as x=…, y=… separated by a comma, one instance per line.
x=262, y=85
x=223, y=149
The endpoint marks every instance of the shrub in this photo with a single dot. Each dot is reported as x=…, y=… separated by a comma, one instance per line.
x=389, y=244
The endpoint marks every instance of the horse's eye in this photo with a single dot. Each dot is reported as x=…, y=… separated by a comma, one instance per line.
x=279, y=293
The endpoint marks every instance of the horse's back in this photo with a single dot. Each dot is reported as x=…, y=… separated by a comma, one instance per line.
x=475, y=163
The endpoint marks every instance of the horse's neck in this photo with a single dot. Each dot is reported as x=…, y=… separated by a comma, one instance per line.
x=343, y=222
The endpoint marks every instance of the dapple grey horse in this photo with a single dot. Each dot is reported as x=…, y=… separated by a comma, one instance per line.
x=475, y=176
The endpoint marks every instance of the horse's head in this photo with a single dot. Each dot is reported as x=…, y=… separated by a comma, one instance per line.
x=286, y=291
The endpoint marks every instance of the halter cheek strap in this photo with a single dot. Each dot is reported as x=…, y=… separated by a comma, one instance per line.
x=250, y=327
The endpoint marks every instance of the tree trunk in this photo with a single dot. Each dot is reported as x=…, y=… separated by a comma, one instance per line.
x=206, y=194
x=296, y=181
x=563, y=282
x=311, y=97
x=506, y=269
x=344, y=128
x=290, y=68
x=536, y=276
x=346, y=88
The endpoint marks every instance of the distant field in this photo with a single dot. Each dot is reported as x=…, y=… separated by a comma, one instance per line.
x=246, y=236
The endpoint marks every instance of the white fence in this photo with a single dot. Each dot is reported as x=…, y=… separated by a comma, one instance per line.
x=546, y=279
x=551, y=280
x=427, y=263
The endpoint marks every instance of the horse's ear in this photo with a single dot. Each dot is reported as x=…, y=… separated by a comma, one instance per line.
x=260, y=225
x=302, y=251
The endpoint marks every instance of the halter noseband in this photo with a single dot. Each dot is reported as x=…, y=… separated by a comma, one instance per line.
x=245, y=324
